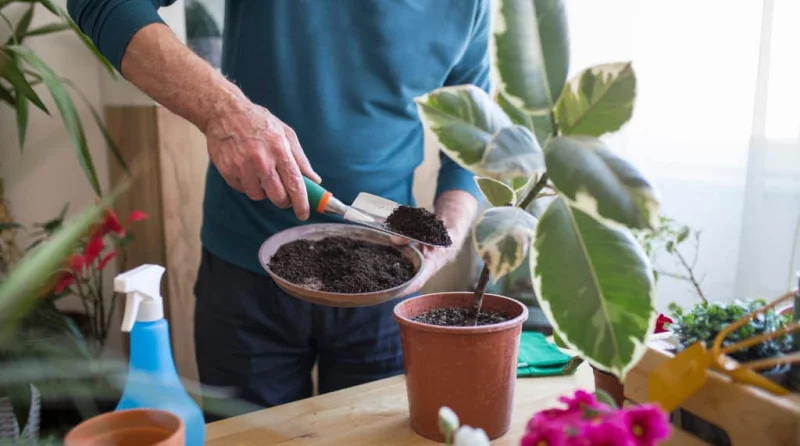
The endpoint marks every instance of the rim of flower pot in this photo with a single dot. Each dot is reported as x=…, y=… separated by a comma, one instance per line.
x=517, y=320
x=105, y=424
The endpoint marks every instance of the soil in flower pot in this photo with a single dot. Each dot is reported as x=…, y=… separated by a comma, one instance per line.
x=470, y=369
x=341, y=265
x=419, y=224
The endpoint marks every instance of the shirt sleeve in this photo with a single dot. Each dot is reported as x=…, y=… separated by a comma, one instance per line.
x=111, y=24
x=474, y=68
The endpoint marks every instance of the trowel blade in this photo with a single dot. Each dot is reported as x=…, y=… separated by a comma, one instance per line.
x=372, y=210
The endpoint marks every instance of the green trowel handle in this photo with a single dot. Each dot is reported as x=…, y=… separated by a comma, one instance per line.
x=317, y=196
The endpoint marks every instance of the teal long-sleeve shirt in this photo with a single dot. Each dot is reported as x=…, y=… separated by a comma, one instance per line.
x=343, y=74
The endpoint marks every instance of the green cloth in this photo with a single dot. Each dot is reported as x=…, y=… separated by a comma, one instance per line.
x=538, y=357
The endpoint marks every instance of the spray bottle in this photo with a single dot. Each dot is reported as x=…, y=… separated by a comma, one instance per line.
x=153, y=381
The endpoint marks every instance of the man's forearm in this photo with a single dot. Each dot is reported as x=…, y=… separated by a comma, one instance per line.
x=165, y=69
x=456, y=209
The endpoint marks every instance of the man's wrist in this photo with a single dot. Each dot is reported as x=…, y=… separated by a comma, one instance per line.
x=457, y=210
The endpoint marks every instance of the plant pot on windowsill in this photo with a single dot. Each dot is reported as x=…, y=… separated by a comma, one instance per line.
x=471, y=370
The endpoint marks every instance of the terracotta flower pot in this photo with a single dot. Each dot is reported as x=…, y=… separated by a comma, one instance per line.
x=609, y=384
x=471, y=370
x=135, y=427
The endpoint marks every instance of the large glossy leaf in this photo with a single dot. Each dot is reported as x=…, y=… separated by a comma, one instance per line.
x=512, y=152
x=501, y=237
x=463, y=119
x=14, y=75
x=496, y=192
x=538, y=121
x=601, y=183
x=597, y=101
x=69, y=114
x=531, y=57
x=595, y=285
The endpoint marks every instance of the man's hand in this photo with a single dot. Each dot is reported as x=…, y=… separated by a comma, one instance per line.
x=255, y=152
x=259, y=155
x=457, y=210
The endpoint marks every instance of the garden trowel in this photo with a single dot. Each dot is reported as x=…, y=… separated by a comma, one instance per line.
x=367, y=209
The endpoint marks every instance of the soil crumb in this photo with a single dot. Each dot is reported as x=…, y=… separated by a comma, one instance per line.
x=419, y=224
x=341, y=265
x=454, y=317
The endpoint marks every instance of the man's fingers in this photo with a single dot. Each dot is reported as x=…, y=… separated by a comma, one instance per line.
x=295, y=187
x=272, y=185
x=300, y=156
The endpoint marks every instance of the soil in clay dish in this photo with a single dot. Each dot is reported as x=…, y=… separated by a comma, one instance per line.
x=455, y=317
x=341, y=265
x=419, y=224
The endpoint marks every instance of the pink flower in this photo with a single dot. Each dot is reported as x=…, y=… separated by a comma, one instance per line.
x=647, y=424
x=661, y=323
x=583, y=401
x=609, y=432
x=65, y=279
x=546, y=434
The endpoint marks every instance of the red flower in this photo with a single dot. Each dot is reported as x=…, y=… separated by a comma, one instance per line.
x=111, y=224
x=76, y=262
x=661, y=323
x=64, y=280
x=94, y=248
x=647, y=424
x=136, y=215
x=104, y=261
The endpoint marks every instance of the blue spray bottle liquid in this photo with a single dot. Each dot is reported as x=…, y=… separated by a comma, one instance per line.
x=153, y=381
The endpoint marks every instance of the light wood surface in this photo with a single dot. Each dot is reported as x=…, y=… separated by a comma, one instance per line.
x=749, y=415
x=374, y=414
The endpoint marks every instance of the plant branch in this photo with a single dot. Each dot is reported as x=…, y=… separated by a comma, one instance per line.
x=692, y=278
x=480, y=288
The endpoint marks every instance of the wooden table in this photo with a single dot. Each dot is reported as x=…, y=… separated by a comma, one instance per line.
x=374, y=414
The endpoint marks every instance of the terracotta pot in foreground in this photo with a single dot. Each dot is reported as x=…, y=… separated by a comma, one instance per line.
x=471, y=370
x=135, y=427
x=610, y=384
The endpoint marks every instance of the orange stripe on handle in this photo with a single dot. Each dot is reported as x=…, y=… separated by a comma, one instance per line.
x=323, y=202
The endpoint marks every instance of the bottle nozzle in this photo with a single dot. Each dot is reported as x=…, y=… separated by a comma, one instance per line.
x=143, y=288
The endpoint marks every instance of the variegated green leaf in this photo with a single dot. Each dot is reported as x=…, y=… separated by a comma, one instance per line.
x=601, y=183
x=532, y=59
x=501, y=237
x=519, y=184
x=463, y=119
x=598, y=101
x=496, y=192
x=511, y=153
x=539, y=121
x=595, y=284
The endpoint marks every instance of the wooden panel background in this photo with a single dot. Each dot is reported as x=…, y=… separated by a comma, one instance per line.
x=170, y=162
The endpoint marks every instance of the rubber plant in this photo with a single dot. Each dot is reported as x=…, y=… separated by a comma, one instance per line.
x=560, y=195
x=21, y=70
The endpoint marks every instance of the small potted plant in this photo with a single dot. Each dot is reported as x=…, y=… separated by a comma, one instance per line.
x=704, y=321
x=537, y=145
x=586, y=419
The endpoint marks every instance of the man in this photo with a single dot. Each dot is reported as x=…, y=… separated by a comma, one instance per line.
x=321, y=88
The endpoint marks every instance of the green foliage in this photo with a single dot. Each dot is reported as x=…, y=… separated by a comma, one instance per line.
x=21, y=69
x=705, y=320
x=592, y=278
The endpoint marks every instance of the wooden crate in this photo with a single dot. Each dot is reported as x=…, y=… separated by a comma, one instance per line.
x=750, y=416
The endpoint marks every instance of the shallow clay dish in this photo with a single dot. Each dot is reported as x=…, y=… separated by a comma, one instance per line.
x=320, y=231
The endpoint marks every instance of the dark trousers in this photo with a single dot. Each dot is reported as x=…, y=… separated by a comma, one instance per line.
x=253, y=339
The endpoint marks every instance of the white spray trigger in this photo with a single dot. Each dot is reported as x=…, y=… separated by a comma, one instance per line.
x=142, y=285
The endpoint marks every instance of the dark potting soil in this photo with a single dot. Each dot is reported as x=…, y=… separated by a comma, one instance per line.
x=341, y=265
x=419, y=224
x=454, y=317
